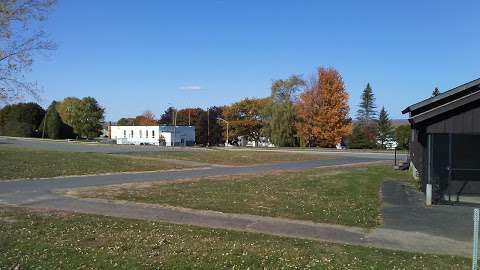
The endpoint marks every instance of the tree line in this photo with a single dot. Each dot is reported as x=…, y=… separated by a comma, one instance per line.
x=298, y=112
x=69, y=118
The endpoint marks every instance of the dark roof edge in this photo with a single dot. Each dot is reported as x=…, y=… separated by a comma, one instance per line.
x=446, y=107
x=442, y=95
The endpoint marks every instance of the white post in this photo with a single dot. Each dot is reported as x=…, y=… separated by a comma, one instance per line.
x=428, y=195
x=475, y=239
x=428, y=189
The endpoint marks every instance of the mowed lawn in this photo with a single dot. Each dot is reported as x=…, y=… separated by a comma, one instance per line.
x=28, y=163
x=59, y=240
x=235, y=157
x=347, y=196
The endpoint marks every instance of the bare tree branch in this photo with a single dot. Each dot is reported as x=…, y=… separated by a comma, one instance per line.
x=21, y=40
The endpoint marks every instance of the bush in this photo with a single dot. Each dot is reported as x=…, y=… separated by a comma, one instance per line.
x=21, y=120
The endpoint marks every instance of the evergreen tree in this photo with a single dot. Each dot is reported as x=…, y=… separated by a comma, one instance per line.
x=385, y=130
x=366, y=112
x=21, y=120
x=53, y=124
x=436, y=92
x=402, y=136
x=282, y=119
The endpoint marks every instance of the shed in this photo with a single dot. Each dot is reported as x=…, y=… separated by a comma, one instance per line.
x=445, y=143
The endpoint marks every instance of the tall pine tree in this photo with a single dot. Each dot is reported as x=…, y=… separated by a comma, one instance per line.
x=366, y=118
x=385, y=130
x=366, y=113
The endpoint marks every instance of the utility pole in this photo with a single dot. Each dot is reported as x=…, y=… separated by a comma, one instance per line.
x=175, y=128
x=228, y=123
x=44, y=123
x=208, y=127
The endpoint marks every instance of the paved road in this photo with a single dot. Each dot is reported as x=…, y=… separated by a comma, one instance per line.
x=121, y=149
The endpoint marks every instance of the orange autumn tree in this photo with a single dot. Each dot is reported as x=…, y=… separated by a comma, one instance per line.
x=323, y=110
x=146, y=119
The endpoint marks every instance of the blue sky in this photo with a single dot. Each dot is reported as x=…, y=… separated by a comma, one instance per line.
x=142, y=55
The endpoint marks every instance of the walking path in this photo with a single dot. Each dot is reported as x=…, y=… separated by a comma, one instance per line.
x=379, y=238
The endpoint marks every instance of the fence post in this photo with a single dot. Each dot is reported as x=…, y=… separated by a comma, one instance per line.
x=395, y=164
x=475, y=239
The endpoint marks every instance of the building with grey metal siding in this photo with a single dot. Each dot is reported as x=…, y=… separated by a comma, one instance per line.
x=445, y=143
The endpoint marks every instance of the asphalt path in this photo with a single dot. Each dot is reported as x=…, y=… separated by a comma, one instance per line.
x=63, y=145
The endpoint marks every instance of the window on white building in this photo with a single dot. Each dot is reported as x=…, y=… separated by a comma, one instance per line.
x=131, y=134
x=146, y=133
x=153, y=133
x=140, y=133
x=124, y=134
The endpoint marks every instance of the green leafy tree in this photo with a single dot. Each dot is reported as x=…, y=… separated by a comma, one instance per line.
x=53, y=123
x=246, y=118
x=282, y=113
x=125, y=122
x=366, y=113
x=68, y=108
x=384, y=130
x=208, y=131
x=357, y=140
x=21, y=120
x=87, y=118
x=402, y=136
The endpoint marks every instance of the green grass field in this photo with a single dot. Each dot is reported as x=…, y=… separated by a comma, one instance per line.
x=28, y=163
x=59, y=240
x=347, y=196
x=225, y=157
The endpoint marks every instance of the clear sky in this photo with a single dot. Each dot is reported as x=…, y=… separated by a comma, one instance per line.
x=134, y=56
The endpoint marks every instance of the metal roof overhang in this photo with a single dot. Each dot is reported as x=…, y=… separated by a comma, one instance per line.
x=444, y=108
x=443, y=95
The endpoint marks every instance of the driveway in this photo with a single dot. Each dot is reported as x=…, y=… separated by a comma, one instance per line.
x=404, y=209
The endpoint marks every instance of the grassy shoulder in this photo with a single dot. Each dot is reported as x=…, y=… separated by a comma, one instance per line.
x=239, y=157
x=347, y=196
x=30, y=163
x=59, y=240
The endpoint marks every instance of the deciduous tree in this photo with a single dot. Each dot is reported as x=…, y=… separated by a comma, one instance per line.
x=281, y=126
x=22, y=39
x=67, y=108
x=247, y=118
x=402, y=136
x=53, y=123
x=87, y=118
x=126, y=121
x=323, y=110
x=146, y=119
x=21, y=120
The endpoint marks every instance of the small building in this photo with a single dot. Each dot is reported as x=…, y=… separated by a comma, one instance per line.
x=153, y=135
x=445, y=143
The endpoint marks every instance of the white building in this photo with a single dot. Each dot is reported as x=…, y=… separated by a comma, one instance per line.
x=154, y=135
